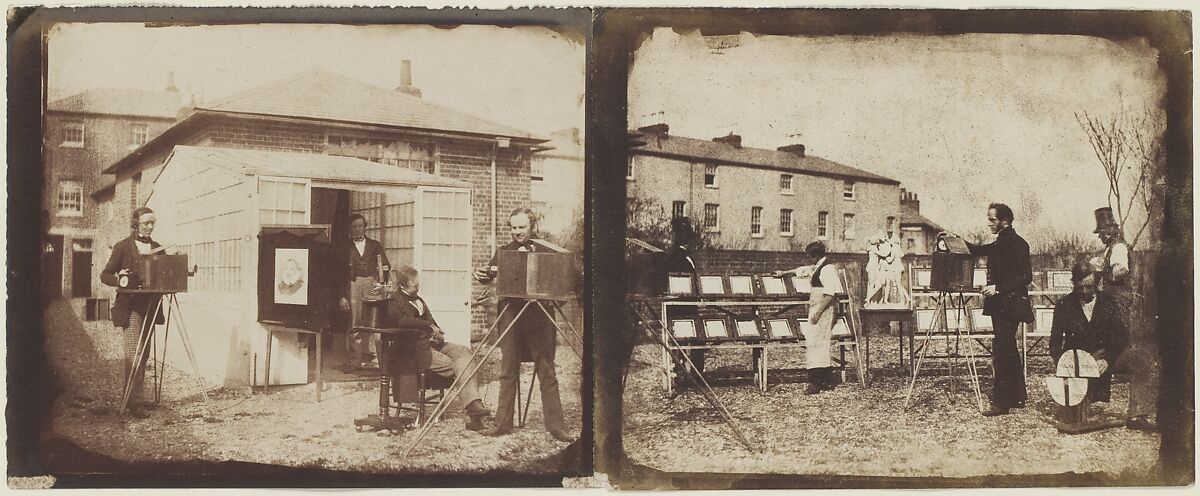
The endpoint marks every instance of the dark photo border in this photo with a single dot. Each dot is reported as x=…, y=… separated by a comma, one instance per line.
x=29, y=393
x=617, y=35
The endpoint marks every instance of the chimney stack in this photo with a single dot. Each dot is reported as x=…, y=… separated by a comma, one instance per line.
x=731, y=140
x=406, y=80
x=659, y=129
x=910, y=199
x=171, y=81
x=797, y=150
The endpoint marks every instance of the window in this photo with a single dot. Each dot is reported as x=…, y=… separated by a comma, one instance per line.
x=848, y=190
x=785, y=184
x=785, y=222
x=678, y=209
x=70, y=199
x=710, y=176
x=822, y=225
x=285, y=201
x=756, y=229
x=891, y=227
x=537, y=169
x=848, y=226
x=712, y=223
x=139, y=134
x=72, y=134
x=134, y=182
x=910, y=245
x=629, y=168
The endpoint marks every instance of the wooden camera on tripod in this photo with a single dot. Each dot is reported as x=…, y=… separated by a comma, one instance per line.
x=166, y=273
x=535, y=275
x=953, y=266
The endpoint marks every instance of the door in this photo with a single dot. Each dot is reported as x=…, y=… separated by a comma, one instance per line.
x=52, y=267
x=443, y=255
x=81, y=268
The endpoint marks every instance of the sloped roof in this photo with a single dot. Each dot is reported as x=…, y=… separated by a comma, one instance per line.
x=319, y=94
x=909, y=216
x=109, y=101
x=712, y=151
x=310, y=166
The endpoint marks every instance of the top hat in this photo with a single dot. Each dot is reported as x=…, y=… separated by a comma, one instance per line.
x=682, y=225
x=1104, y=218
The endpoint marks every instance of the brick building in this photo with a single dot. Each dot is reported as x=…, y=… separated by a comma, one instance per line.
x=917, y=233
x=84, y=133
x=760, y=200
x=318, y=112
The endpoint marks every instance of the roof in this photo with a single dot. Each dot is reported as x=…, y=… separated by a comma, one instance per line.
x=309, y=166
x=164, y=104
x=712, y=151
x=319, y=94
x=909, y=216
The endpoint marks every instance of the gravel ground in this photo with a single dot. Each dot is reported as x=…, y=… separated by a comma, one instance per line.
x=285, y=428
x=857, y=431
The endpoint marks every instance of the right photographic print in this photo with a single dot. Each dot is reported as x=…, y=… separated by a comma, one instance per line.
x=926, y=256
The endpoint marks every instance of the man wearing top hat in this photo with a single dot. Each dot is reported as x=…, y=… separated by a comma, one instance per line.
x=679, y=260
x=1115, y=278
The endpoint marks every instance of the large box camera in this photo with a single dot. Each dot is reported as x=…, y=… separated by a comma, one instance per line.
x=166, y=273
x=534, y=275
x=953, y=266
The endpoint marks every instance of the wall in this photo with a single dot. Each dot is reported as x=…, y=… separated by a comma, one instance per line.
x=740, y=188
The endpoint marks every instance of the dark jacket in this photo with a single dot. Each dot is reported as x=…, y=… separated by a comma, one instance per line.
x=1010, y=270
x=1103, y=337
x=680, y=260
x=408, y=354
x=367, y=264
x=125, y=256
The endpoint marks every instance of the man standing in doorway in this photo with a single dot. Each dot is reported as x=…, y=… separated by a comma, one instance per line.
x=1006, y=301
x=368, y=270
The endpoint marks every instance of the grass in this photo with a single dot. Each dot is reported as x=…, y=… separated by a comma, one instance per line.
x=864, y=431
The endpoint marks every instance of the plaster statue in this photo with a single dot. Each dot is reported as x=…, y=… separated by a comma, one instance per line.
x=885, y=267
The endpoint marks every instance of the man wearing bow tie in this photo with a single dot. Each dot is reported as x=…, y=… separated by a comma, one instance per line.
x=534, y=333
x=448, y=360
x=364, y=259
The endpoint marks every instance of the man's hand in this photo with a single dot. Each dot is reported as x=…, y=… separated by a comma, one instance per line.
x=481, y=274
x=780, y=273
x=990, y=290
x=344, y=304
x=1102, y=364
x=438, y=336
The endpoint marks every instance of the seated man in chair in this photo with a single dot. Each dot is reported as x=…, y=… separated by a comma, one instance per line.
x=1087, y=320
x=449, y=360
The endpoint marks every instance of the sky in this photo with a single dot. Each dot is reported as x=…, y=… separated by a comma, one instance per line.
x=526, y=77
x=962, y=121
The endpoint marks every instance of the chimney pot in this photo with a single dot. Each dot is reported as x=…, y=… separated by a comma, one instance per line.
x=797, y=149
x=731, y=140
x=406, y=80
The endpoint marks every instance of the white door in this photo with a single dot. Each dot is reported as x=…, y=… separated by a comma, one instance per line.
x=443, y=255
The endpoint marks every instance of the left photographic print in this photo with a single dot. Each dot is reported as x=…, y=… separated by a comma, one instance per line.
x=326, y=247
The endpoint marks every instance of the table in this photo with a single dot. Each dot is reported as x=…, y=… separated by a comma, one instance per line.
x=273, y=327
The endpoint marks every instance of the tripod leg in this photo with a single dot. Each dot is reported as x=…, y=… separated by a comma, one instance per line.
x=938, y=316
x=972, y=370
x=142, y=348
x=161, y=366
x=187, y=347
x=554, y=321
x=707, y=391
x=460, y=381
x=578, y=337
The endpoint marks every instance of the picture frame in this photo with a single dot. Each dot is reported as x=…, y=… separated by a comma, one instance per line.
x=712, y=284
x=291, y=276
x=748, y=329
x=741, y=284
x=716, y=330
x=685, y=330
x=681, y=284
x=775, y=286
x=781, y=328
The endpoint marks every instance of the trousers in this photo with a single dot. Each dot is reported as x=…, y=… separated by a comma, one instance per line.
x=1008, y=386
x=451, y=360
x=136, y=332
x=534, y=334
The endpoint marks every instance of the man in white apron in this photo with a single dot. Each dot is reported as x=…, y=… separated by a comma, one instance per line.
x=822, y=311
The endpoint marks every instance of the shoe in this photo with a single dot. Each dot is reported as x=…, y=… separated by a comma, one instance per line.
x=813, y=388
x=476, y=409
x=561, y=435
x=136, y=410
x=475, y=424
x=497, y=431
x=1020, y=404
x=369, y=366
x=1140, y=423
x=995, y=411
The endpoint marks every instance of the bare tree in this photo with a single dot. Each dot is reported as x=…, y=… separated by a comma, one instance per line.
x=1130, y=150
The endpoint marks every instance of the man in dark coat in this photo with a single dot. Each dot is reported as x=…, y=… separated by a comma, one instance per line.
x=1089, y=321
x=130, y=310
x=534, y=333
x=448, y=360
x=1006, y=301
x=365, y=267
x=679, y=260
